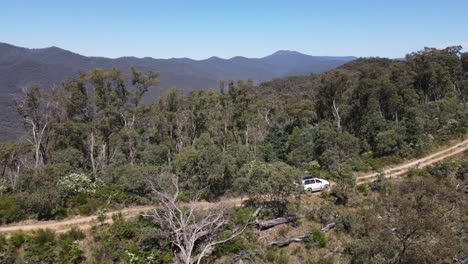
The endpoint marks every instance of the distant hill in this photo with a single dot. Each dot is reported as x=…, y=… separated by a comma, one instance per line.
x=48, y=66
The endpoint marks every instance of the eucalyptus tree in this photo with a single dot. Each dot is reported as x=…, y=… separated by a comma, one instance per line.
x=36, y=109
x=332, y=91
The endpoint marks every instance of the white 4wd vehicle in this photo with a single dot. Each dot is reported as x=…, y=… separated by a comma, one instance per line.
x=315, y=184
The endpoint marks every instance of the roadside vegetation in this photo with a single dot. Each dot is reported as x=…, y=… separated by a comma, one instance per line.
x=419, y=219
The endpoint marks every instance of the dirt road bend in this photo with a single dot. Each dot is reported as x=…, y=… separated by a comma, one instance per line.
x=86, y=222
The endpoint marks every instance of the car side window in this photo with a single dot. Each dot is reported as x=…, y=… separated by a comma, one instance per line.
x=312, y=181
x=318, y=181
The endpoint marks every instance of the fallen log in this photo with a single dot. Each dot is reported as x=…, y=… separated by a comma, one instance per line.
x=264, y=225
x=462, y=259
x=286, y=242
x=255, y=214
x=328, y=227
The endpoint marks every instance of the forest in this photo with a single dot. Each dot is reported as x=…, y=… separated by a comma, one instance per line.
x=93, y=146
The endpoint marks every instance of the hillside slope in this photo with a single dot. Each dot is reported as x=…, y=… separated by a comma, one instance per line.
x=88, y=221
x=20, y=67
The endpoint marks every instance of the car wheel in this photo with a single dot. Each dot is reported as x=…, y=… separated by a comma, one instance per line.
x=308, y=190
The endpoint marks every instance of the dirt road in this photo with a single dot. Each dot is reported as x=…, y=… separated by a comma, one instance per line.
x=87, y=222
x=418, y=163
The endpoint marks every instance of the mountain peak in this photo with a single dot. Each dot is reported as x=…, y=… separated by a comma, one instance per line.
x=286, y=53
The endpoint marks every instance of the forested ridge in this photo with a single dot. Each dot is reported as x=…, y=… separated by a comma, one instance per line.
x=93, y=146
x=20, y=67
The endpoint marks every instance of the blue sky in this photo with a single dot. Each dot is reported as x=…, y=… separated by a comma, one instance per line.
x=200, y=29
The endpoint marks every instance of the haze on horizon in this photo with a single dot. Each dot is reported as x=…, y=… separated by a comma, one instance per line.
x=199, y=30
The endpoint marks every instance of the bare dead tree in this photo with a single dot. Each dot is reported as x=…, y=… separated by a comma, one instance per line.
x=35, y=108
x=336, y=113
x=188, y=227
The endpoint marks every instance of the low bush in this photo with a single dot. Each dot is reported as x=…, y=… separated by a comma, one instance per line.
x=441, y=170
x=76, y=183
x=317, y=238
x=40, y=246
x=417, y=172
x=43, y=204
x=3, y=243
x=17, y=239
x=233, y=246
x=364, y=189
x=462, y=172
x=10, y=210
x=381, y=185
x=326, y=213
x=342, y=193
x=275, y=255
x=348, y=222
x=69, y=251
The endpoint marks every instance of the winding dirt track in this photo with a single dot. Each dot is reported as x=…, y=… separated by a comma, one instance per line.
x=87, y=222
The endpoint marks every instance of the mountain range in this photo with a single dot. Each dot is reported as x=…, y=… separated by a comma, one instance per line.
x=48, y=66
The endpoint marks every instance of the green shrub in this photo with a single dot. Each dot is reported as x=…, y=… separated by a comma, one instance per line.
x=342, y=193
x=43, y=236
x=318, y=238
x=233, y=246
x=310, y=215
x=184, y=197
x=69, y=251
x=274, y=255
x=417, y=172
x=271, y=254
x=132, y=178
x=42, y=204
x=348, y=223
x=101, y=216
x=104, y=197
x=10, y=211
x=239, y=216
x=441, y=170
x=462, y=172
x=3, y=243
x=381, y=185
x=40, y=246
x=17, y=239
x=73, y=234
x=363, y=188
x=326, y=213
x=122, y=229
x=76, y=183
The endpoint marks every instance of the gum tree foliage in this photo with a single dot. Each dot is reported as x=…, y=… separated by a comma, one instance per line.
x=415, y=223
x=276, y=186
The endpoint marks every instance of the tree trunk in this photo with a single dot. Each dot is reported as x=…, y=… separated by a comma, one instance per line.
x=264, y=225
x=329, y=226
x=336, y=113
x=286, y=242
x=91, y=154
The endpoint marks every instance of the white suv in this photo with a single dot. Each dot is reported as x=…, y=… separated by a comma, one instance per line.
x=315, y=184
